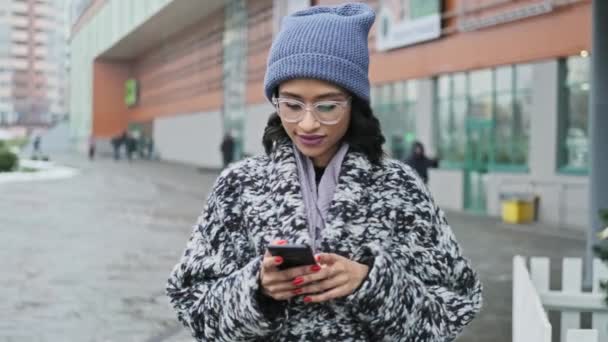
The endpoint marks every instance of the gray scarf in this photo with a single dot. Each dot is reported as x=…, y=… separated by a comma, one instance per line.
x=317, y=201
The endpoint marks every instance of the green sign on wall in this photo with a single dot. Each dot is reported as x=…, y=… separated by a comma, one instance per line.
x=131, y=92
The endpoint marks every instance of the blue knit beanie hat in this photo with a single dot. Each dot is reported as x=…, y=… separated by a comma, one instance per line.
x=325, y=43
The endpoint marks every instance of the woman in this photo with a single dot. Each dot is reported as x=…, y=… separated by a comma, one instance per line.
x=389, y=268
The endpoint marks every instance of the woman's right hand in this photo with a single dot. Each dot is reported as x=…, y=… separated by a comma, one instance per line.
x=282, y=284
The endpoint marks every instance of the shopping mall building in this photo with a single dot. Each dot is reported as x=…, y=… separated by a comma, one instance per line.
x=497, y=89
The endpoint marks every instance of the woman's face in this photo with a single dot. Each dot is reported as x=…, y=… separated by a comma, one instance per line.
x=314, y=139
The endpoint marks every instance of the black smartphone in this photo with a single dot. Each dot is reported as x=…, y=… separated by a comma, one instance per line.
x=293, y=255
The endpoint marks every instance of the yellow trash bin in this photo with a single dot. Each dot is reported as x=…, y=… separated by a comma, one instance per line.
x=518, y=209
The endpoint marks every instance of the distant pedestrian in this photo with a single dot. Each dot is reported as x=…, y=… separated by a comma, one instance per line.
x=130, y=146
x=420, y=162
x=36, y=147
x=91, y=148
x=150, y=148
x=227, y=149
x=116, y=142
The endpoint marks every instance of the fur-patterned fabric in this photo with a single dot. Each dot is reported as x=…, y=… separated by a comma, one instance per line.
x=419, y=288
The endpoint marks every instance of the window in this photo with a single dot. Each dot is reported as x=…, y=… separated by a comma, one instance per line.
x=512, y=115
x=574, y=109
x=451, y=107
x=499, y=98
x=393, y=104
x=481, y=95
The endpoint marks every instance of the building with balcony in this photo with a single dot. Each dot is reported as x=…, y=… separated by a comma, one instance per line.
x=33, y=55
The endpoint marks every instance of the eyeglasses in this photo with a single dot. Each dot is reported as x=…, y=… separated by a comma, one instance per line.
x=326, y=112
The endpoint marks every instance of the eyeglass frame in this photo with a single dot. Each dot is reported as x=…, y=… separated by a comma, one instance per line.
x=311, y=108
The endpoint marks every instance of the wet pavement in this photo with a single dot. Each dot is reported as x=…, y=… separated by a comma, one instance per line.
x=86, y=259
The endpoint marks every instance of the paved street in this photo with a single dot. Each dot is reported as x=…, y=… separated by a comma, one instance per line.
x=86, y=259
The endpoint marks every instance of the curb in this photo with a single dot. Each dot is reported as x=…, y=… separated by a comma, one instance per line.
x=46, y=171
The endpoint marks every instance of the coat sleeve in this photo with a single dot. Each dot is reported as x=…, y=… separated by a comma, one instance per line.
x=420, y=287
x=214, y=288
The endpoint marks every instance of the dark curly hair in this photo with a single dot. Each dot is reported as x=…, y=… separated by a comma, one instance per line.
x=363, y=133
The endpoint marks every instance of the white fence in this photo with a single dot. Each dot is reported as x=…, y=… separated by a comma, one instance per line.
x=532, y=296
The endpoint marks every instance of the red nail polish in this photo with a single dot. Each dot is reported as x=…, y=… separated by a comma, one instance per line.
x=307, y=299
x=281, y=242
x=318, y=258
x=278, y=260
x=315, y=268
x=298, y=281
x=297, y=291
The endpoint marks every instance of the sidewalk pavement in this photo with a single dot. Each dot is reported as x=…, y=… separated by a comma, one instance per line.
x=87, y=258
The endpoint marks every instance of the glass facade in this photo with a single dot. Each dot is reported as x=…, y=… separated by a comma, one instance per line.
x=499, y=99
x=574, y=113
x=394, y=106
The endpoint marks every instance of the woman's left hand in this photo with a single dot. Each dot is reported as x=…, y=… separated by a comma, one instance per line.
x=339, y=277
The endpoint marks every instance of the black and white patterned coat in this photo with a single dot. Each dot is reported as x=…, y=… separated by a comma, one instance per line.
x=419, y=287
